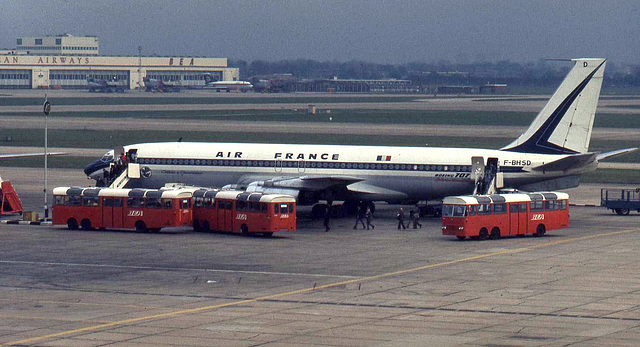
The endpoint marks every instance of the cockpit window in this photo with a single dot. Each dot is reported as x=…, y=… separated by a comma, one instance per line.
x=107, y=157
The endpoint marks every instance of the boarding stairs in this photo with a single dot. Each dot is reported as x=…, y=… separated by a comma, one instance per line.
x=132, y=171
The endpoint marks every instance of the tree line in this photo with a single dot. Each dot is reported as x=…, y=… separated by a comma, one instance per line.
x=540, y=73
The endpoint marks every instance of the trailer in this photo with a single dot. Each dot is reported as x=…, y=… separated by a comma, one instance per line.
x=620, y=201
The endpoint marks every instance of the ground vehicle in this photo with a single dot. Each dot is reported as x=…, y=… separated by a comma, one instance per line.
x=106, y=86
x=620, y=201
x=499, y=215
x=104, y=208
x=244, y=212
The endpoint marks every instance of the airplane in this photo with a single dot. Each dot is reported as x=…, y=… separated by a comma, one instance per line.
x=158, y=85
x=228, y=86
x=106, y=86
x=551, y=154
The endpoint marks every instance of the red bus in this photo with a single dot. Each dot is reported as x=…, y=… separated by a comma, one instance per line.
x=484, y=216
x=243, y=212
x=104, y=208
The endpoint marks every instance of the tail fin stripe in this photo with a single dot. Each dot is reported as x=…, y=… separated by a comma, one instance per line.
x=538, y=142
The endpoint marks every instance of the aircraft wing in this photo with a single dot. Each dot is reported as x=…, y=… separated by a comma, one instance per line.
x=338, y=187
x=569, y=162
x=24, y=155
x=612, y=154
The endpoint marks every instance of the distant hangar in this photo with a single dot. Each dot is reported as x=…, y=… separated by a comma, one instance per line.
x=67, y=62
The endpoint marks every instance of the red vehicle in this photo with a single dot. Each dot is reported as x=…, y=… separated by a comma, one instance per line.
x=244, y=212
x=493, y=216
x=104, y=208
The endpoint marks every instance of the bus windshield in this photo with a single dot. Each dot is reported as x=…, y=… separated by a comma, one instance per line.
x=453, y=211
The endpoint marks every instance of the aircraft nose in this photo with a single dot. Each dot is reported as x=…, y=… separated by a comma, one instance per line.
x=95, y=166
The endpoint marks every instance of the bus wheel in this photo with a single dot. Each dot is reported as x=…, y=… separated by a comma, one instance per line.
x=244, y=230
x=196, y=225
x=540, y=230
x=484, y=234
x=461, y=237
x=622, y=211
x=267, y=234
x=495, y=233
x=141, y=227
x=72, y=224
x=85, y=224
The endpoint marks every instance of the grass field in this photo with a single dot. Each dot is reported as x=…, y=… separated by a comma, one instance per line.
x=605, y=120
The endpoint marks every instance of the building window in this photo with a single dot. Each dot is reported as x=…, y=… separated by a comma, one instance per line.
x=38, y=41
x=58, y=41
x=19, y=42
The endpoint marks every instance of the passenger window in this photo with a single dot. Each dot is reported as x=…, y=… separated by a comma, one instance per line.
x=537, y=205
x=500, y=208
x=263, y=207
x=166, y=203
x=276, y=209
x=58, y=200
x=513, y=208
x=484, y=209
x=563, y=204
x=472, y=210
x=523, y=207
x=291, y=209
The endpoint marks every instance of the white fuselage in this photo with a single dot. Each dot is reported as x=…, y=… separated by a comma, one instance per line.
x=419, y=172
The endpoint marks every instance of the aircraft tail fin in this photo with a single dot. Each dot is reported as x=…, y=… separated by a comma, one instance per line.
x=564, y=125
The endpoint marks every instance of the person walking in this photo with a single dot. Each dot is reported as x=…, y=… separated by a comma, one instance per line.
x=369, y=216
x=359, y=216
x=414, y=216
x=400, y=217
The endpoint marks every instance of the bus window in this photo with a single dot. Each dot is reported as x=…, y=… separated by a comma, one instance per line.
x=484, y=209
x=73, y=200
x=500, y=208
x=276, y=209
x=471, y=210
x=291, y=208
x=112, y=202
x=241, y=205
x=513, y=208
x=58, y=200
x=447, y=210
x=562, y=204
x=551, y=205
x=184, y=203
x=283, y=208
x=523, y=207
x=458, y=211
x=263, y=207
x=197, y=202
x=166, y=203
x=537, y=205
x=135, y=202
x=152, y=203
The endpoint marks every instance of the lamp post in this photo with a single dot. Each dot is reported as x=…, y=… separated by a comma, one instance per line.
x=46, y=110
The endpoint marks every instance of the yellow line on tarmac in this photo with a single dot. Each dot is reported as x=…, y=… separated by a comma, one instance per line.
x=306, y=290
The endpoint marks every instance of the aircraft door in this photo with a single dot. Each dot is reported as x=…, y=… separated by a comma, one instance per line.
x=278, y=165
x=301, y=166
x=477, y=173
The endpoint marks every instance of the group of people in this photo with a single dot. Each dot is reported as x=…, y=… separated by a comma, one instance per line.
x=414, y=218
x=364, y=214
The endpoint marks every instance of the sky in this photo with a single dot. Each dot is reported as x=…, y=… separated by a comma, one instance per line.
x=369, y=30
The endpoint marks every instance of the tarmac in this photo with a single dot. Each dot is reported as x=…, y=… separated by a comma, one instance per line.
x=346, y=287
x=380, y=287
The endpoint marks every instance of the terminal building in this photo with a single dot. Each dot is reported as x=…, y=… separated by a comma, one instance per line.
x=66, y=62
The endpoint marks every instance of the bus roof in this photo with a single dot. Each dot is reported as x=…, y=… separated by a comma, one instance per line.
x=502, y=198
x=277, y=198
